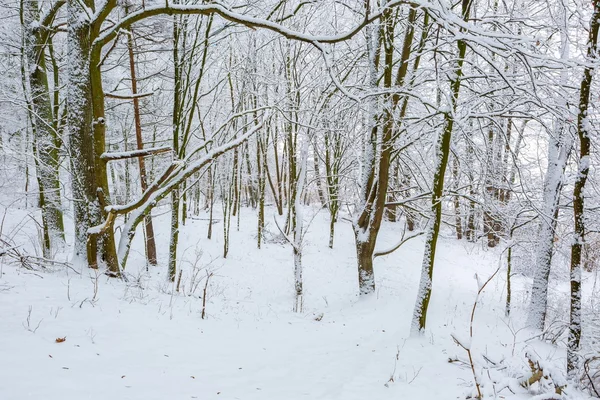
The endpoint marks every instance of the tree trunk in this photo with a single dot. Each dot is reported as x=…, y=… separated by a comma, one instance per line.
x=583, y=132
x=149, y=242
x=86, y=209
x=378, y=149
x=442, y=152
x=560, y=144
x=261, y=161
x=174, y=238
x=102, y=192
x=298, y=230
x=456, y=199
x=316, y=167
x=46, y=140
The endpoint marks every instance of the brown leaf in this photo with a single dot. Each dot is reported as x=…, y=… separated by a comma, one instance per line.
x=60, y=339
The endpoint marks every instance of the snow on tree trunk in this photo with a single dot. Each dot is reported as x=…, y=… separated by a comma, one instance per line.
x=174, y=237
x=149, y=242
x=380, y=140
x=560, y=144
x=79, y=119
x=584, y=130
x=442, y=154
x=298, y=223
x=46, y=140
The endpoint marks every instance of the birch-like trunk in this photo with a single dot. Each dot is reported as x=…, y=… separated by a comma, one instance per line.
x=298, y=228
x=560, y=144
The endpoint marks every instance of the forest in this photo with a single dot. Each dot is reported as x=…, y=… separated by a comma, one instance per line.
x=286, y=199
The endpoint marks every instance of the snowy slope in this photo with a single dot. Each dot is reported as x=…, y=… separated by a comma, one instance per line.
x=143, y=340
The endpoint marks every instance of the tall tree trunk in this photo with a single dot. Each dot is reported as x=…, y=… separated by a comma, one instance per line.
x=333, y=159
x=261, y=161
x=560, y=144
x=378, y=149
x=317, y=169
x=86, y=209
x=456, y=199
x=298, y=227
x=583, y=132
x=149, y=242
x=46, y=140
x=470, y=228
x=178, y=38
x=107, y=239
x=174, y=237
x=442, y=154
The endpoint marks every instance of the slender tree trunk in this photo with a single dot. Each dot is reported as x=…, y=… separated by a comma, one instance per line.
x=583, y=132
x=236, y=187
x=470, y=228
x=317, y=169
x=298, y=228
x=174, y=238
x=179, y=33
x=149, y=242
x=378, y=149
x=46, y=140
x=456, y=199
x=442, y=152
x=210, y=198
x=261, y=161
x=560, y=144
x=227, y=201
x=333, y=158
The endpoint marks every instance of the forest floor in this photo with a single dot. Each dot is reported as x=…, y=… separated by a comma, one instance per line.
x=143, y=340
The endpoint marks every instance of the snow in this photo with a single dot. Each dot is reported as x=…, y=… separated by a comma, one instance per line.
x=142, y=340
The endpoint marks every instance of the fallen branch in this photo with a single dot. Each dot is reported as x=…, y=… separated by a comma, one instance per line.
x=537, y=373
x=27, y=261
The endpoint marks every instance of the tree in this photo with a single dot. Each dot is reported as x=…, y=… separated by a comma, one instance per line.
x=583, y=134
x=86, y=103
x=46, y=118
x=560, y=143
x=442, y=153
x=380, y=139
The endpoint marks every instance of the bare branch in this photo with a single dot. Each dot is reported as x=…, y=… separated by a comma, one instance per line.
x=106, y=157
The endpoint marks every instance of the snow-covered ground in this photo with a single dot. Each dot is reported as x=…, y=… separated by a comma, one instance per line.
x=144, y=340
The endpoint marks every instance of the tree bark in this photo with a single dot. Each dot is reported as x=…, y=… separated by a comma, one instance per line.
x=560, y=144
x=45, y=124
x=442, y=154
x=378, y=149
x=149, y=242
x=86, y=209
x=583, y=133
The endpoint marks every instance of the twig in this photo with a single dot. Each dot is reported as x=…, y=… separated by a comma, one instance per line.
x=208, y=276
x=586, y=368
